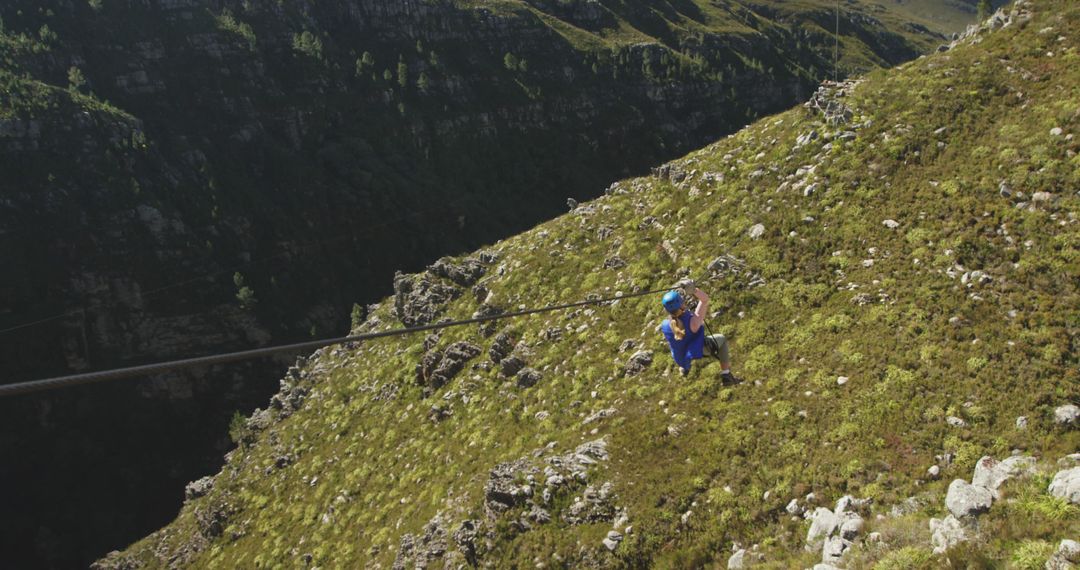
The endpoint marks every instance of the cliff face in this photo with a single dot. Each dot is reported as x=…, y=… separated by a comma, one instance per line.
x=187, y=176
x=893, y=265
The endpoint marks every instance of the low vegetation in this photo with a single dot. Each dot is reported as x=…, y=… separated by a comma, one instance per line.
x=845, y=293
x=925, y=249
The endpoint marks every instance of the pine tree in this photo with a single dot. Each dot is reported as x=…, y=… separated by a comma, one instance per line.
x=244, y=294
x=364, y=62
x=75, y=78
x=510, y=61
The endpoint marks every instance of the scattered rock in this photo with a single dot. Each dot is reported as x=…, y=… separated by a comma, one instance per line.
x=842, y=380
x=511, y=365
x=1021, y=422
x=965, y=500
x=614, y=262
x=738, y=560
x=638, y=362
x=612, y=540
x=594, y=505
x=756, y=231
x=501, y=347
x=597, y=416
x=933, y=472
x=1067, y=415
x=945, y=533
x=891, y=224
x=806, y=138
x=1066, y=485
x=1067, y=556
x=528, y=377
x=827, y=101
x=956, y=422
x=1042, y=197
x=437, y=368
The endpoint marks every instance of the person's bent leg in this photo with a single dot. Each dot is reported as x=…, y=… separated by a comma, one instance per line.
x=719, y=344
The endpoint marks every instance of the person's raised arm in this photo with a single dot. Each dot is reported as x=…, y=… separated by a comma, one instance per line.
x=701, y=311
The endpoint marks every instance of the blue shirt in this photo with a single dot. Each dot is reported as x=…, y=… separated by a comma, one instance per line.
x=691, y=345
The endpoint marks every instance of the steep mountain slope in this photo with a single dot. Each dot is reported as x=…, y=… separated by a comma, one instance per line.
x=185, y=176
x=899, y=283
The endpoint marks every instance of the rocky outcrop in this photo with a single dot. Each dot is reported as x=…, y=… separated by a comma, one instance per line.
x=424, y=550
x=829, y=101
x=419, y=300
x=437, y=368
x=198, y=488
x=835, y=532
x=966, y=501
x=465, y=273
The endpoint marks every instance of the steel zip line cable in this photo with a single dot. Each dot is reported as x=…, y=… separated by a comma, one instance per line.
x=157, y=368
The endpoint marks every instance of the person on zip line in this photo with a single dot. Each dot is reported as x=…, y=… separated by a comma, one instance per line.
x=685, y=331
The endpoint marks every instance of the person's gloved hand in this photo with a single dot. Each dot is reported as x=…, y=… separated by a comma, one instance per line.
x=688, y=287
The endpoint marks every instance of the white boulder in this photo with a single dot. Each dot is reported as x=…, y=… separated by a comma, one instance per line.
x=991, y=473
x=1067, y=415
x=965, y=499
x=1066, y=485
x=945, y=533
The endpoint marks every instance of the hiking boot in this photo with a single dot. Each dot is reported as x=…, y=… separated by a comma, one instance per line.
x=728, y=379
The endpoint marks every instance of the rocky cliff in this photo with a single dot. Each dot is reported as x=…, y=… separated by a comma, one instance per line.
x=188, y=176
x=892, y=263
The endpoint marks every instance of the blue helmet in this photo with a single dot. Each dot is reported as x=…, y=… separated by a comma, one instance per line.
x=672, y=301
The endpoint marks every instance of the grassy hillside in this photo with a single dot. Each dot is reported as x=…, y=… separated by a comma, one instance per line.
x=180, y=177
x=853, y=251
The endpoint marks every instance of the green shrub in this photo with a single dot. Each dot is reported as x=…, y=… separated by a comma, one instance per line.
x=1032, y=555
x=907, y=558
